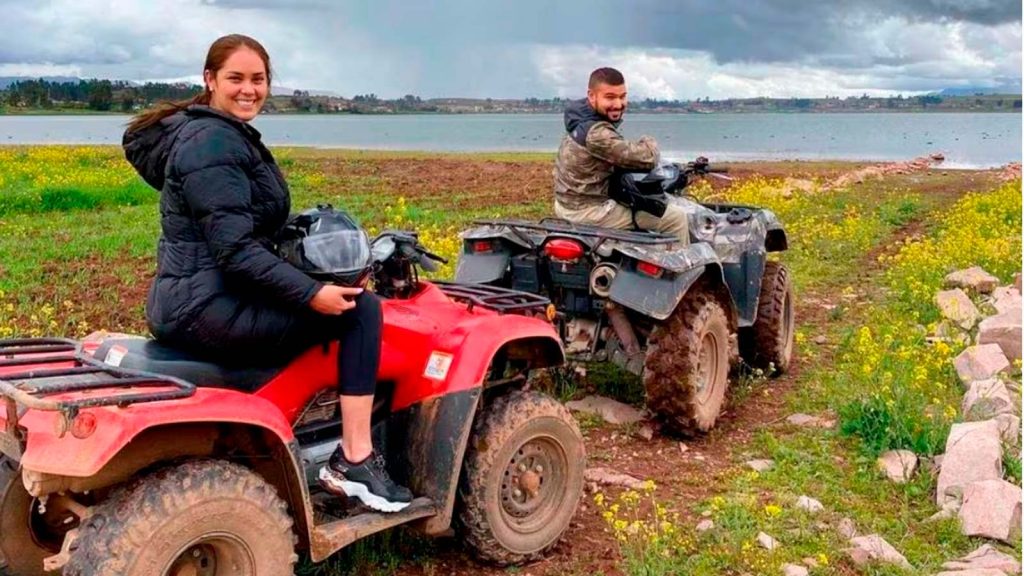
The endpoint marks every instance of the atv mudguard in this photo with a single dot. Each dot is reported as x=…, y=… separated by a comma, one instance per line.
x=488, y=266
x=657, y=297
x=775, y=237
x=49, y=453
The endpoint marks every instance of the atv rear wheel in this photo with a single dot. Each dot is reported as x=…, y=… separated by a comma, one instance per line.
x=26, y=537
x=768, y=344
x=522, y=478
x=686, y=368
x=202, y=518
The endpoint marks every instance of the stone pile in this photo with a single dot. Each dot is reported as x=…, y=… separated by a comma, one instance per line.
x=970, y=482
x=985, y=317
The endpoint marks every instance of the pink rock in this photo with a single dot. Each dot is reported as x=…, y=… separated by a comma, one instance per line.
x=980, y=362
x=898, y=465
x=1004, y=330
x=874, y=548
x=1005, y=299
x=973, y=278
x=613, y=411
x=609, y=477
x=1009, y=428
x=1016, y=282
x=973, y=452
x=991, y=509
x=986, y=399
x=794, y=570
x=973, y=572
x=985, y=558
x=958, y=307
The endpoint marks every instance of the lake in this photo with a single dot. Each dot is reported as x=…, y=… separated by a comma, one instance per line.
x=968, y=140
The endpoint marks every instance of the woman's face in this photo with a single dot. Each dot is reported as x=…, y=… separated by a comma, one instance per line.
x=240, y=86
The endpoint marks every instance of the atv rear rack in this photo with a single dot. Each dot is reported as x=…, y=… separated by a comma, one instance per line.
x=496, y=298
x=562, y=226
x=78, y=372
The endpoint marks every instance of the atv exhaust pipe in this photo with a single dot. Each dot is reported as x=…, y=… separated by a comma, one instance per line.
x=601, y=278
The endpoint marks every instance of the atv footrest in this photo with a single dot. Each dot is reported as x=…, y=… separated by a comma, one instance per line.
x=495, y=298
x=326, y=538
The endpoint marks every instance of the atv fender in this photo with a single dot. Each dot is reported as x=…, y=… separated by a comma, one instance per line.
x=775, y=236
x=657, y=297
x=439, y=425
x=482, y=268
x=460, y=357
x=49, y=453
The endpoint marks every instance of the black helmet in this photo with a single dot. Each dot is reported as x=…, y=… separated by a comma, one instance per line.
x=328, y=246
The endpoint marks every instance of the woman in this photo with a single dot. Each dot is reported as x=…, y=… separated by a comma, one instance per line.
x=220, y=288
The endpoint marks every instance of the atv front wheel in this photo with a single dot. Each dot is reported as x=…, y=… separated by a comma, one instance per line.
x=206, y=517
x=686, y=367
x=768, y=344
x=522, y=478
x=21, y=553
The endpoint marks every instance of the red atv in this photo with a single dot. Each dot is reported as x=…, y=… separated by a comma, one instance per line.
x=124, y=457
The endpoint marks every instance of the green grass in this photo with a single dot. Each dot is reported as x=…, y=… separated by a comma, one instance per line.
x=57, y=239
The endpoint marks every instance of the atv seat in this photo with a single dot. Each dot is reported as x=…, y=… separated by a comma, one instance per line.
x=151, y=356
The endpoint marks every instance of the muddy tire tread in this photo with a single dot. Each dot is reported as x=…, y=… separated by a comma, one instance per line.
x=764, y=344
x=673, y=349
x=505, y=415
x=109, y=539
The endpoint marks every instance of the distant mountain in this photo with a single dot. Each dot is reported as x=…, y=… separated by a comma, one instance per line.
x=6, y=81
x=975, y=90
x=286, y=91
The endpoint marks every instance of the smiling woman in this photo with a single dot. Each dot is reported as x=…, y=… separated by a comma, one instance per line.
x=237, y=80
x=223, y=292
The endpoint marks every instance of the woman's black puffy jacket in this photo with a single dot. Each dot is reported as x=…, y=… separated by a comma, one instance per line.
x=223, y=201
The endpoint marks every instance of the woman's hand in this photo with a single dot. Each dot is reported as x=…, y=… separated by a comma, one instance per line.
x=333, y=300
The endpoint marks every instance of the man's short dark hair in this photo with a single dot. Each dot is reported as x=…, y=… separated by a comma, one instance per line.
x=609, y=76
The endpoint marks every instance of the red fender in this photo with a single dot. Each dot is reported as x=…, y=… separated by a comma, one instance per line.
x=116, y=427
x=461, y=356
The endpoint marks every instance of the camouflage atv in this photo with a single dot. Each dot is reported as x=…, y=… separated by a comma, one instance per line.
x=678, y=316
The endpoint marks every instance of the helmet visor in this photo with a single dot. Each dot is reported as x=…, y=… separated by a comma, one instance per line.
x=338, y=252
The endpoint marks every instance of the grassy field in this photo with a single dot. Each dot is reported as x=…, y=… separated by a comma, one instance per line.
x=78, y=232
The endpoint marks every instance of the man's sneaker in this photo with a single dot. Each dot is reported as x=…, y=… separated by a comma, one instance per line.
x=367, y=481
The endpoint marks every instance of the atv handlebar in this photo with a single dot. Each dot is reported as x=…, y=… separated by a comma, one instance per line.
x=701, y=166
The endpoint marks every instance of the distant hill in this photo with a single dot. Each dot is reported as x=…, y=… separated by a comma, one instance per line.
x=979, y=90
x=6, y=81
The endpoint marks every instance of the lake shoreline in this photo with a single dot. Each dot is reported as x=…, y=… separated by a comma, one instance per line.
x=967, y=140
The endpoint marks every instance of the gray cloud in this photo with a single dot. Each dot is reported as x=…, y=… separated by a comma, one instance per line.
x=538, y=47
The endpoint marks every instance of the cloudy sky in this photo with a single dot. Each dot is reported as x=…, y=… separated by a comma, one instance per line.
x=477, y=48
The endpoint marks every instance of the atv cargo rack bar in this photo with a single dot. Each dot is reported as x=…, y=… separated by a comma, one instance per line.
x=501, y=300
x=80, y=372
x=563, y=226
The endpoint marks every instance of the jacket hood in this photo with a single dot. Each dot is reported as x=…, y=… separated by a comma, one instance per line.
x=149, y=149
x=579, y=117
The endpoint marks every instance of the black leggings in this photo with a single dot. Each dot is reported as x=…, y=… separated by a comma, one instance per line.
x=263, y=334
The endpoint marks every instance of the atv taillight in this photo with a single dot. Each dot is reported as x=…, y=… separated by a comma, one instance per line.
x=564, y=249
x=652, y=270
x=83, y=425
x=481, y=246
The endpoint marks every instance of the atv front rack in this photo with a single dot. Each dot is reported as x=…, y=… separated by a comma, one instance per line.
x=496, y=298
x=76, y=371
x=562, y=226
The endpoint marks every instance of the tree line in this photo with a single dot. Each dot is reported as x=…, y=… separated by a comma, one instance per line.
x=99, y=95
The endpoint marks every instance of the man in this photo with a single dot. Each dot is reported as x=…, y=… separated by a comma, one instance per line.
x=591, y=152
